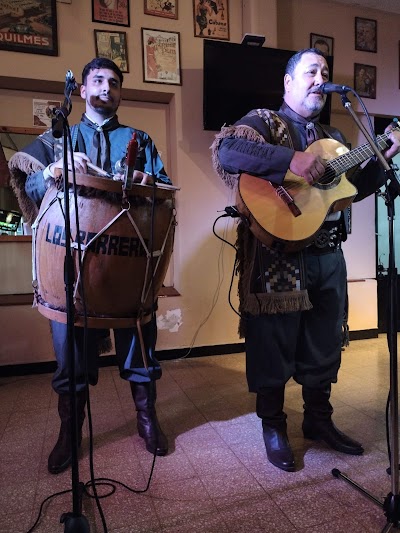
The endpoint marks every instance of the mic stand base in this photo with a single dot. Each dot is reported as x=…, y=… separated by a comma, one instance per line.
x=74, y=524
x=391, y=504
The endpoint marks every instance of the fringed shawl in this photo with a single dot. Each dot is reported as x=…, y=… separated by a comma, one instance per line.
x=33, y=158
x=269, y=282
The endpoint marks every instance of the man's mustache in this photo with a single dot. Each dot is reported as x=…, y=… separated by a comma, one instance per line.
x=315, y=90
x=101, y=96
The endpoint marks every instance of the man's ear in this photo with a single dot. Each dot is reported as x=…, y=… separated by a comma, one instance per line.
x=286, y=81
x=83, y=91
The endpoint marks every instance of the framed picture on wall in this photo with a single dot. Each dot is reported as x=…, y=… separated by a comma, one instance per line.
x=112, y=45
x=161, y=8
x=365, y=80
x=211, y=19
x=31, y=29
x=366, y=34
x=161, y=56
x=322, y=42
x=114, y=12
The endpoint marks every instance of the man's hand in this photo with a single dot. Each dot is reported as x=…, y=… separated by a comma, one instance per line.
x=309, y=166
x=80, y=160
x=138, y=177
x=394, y=136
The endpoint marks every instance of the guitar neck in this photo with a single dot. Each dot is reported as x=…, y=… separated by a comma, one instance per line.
x=356, y=156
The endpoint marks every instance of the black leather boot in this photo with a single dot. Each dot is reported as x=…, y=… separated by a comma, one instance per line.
x=61, y=456
x=269, y=407
x=318, y=424
x=145, y=395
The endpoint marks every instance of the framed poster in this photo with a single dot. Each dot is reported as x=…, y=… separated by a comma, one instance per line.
x=322, y=42
x=161, y=8
x=112, y=45
x=211, y=19
x=365, y=80
x=365, y=35
x=43, y=112
x=161, y=56
x=114, y=12
x=31, y=29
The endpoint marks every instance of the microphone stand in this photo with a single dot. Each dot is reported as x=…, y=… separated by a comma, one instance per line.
x=74, y=522
x=391, y=504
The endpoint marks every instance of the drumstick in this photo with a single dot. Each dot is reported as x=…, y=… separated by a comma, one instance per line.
x=98, y=170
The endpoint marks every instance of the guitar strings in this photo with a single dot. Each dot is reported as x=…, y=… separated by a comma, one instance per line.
x=336, y=167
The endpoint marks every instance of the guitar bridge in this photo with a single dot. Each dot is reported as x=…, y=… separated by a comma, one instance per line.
x=288, y=200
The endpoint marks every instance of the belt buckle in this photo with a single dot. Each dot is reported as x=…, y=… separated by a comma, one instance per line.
x=322, y=239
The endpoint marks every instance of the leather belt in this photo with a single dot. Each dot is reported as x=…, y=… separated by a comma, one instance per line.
x=327, y=240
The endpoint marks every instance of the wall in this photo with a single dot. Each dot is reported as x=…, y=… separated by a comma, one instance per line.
x=202, y=265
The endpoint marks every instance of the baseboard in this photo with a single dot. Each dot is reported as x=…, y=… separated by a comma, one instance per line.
x=364, y=334
x=162, y=355
x=111, y=360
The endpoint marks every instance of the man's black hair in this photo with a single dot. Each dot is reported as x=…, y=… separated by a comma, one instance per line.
x=101, y=62
x=295, y=59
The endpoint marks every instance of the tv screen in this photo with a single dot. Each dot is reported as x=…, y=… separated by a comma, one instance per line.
x=238, y=78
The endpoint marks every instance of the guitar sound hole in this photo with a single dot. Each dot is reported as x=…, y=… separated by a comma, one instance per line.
x=328, y=180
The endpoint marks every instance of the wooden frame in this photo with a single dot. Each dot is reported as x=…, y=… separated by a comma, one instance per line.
x=161, y=8
x=322, y=42
x=366, y=34
x=115, y=12
x=211, y=19
x=161, y=56
x=365, y=80
x=112, y=45
x=34, y=31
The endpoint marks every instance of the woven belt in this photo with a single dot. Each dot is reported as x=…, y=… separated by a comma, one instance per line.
x=327, y=240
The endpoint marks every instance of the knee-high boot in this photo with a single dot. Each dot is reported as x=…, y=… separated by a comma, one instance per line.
x=145, y=395
x=61, y=455
x=318, y=424
x=269, y=407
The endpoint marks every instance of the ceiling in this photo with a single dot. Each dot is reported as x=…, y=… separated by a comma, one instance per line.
x=391, y=6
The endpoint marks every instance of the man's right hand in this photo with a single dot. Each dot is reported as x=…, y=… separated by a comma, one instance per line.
x=80, y=160
x=309, y=166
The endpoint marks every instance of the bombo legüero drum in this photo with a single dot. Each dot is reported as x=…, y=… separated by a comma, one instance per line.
x=123, y=267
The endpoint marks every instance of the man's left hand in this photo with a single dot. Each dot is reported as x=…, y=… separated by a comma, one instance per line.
x=394, y=136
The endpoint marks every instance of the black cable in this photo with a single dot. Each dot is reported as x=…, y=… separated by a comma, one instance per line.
x=230, y=211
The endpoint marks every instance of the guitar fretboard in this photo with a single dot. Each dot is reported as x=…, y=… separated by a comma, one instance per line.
x=339, y=165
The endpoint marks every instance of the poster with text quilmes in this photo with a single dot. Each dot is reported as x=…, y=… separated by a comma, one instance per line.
x=29, y=26
x=211, y=19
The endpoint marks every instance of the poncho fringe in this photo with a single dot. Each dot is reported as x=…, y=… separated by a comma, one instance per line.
x=249, y=248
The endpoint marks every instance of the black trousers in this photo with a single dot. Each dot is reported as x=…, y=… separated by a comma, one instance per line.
x=127, y=348
x=304, y=345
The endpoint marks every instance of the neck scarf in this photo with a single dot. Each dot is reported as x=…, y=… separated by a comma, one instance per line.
x=309, y=128
x=99, y=152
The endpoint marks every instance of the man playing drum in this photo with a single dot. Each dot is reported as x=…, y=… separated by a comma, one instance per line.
x=102, y=141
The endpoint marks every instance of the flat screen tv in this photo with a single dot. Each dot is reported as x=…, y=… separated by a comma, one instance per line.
x=238, y=78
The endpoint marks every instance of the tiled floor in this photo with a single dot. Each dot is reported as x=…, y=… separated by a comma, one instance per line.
x=216, y=477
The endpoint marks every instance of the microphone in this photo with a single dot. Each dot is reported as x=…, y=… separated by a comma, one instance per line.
x=328, y=88
x=130, y=161
x=61, y=113
x=70, y=81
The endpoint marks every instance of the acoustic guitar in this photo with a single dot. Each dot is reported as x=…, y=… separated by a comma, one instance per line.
x=286, y=217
